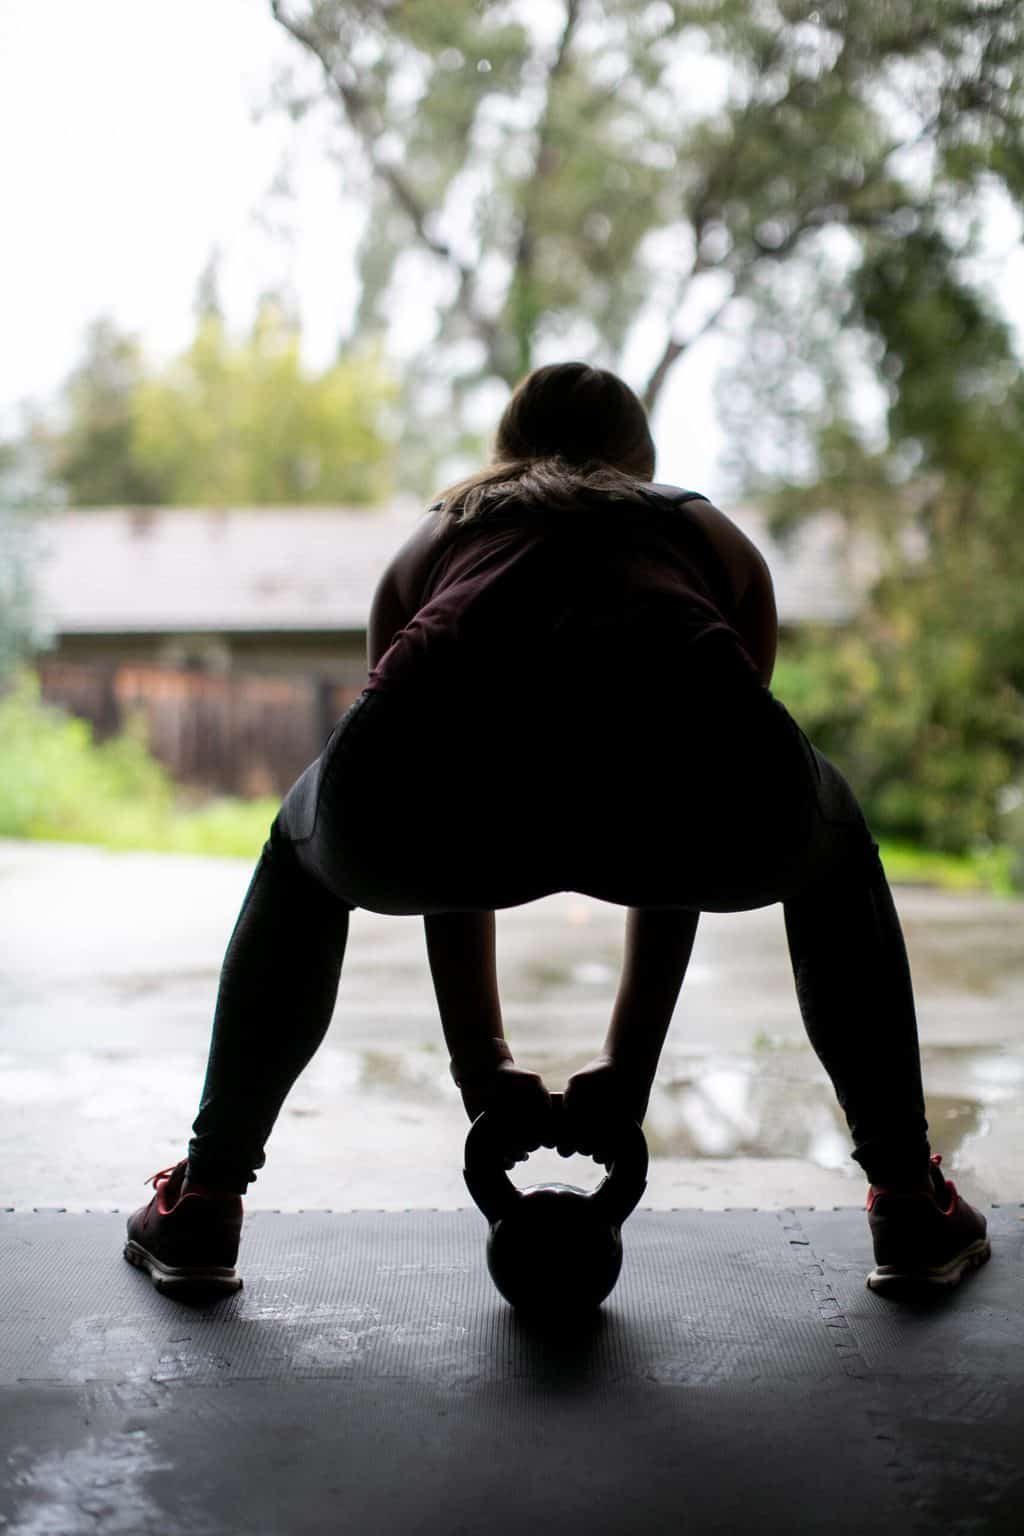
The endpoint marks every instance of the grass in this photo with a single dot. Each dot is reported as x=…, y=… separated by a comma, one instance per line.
x=989, y=869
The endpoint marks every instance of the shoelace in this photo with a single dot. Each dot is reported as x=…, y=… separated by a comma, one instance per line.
x=164, y=1173
x=948, y=1185
x=196, y=1189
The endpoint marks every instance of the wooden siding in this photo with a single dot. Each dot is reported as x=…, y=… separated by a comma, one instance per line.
x=227, y=733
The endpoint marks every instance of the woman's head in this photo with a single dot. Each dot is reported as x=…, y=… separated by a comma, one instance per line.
x=580, y=414
x=567, y=429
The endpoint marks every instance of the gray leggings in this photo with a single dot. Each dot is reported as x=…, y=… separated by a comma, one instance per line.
x=442, y=805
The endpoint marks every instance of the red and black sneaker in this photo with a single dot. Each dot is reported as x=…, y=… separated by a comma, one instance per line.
x=188, y=1241
x=924, y=1239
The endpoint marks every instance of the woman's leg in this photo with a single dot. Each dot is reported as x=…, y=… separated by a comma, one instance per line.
x=356, y=829
x=278, y=986
x=759, y=816
x=279, y=980
x=854, y=986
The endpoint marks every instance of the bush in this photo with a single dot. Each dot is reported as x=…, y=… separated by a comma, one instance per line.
x=933, y=757
x=57, y=783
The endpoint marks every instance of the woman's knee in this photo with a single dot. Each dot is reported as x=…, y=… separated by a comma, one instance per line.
x=296, y=818
x=279, y=845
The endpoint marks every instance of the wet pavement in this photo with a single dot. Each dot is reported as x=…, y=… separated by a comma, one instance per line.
x=108, y=975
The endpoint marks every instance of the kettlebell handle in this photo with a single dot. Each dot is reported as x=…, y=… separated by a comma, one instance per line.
x=614, y=1198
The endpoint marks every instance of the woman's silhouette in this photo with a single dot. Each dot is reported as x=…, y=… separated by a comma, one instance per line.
x=568, y=690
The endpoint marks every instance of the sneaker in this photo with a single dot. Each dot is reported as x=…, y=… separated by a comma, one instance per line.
x=188, y=1241
x=924, y=1239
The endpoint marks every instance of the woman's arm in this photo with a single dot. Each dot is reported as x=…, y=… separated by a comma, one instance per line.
x=658, y=946
x=659, y=942
x=461, y=949
x=399, y=591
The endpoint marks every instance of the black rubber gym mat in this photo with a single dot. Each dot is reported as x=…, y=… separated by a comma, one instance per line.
x=369, y=1379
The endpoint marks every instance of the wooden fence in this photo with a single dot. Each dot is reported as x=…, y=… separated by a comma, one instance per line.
x=227, y=733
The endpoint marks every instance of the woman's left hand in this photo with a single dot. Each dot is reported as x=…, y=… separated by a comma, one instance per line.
x=519, y=1105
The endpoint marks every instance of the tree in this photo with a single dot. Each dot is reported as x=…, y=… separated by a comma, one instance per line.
x=243, y=423
x=649, y=162
x=228, y=421
x=93, y=457
x=924, y=699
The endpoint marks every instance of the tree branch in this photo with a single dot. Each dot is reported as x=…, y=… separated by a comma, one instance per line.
x=543, y=164
x=826, y=210
x=676, y=346
x=360, y=115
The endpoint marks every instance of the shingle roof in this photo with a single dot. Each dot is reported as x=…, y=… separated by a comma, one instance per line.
x=180, y=570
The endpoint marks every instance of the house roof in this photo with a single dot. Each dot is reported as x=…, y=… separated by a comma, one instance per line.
x=303, y=569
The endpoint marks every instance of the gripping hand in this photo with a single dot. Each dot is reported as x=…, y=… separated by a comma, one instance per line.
x=597, y=1098
x=519, y=1105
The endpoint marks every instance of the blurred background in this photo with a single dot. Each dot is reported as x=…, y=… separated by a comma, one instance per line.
x=271, y=271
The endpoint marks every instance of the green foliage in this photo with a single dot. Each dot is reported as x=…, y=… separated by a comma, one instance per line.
x=243, y=424
x=996, y=870
x=229, y=422
x=923, y=700
x=927, y=746
x=947, y=354
x=57, y=783
x=94, y=457
x=226, y=827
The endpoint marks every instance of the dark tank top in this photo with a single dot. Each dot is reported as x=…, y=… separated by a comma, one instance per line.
x=612, y=594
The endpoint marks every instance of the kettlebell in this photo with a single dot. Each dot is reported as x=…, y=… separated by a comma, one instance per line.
x=554, y=1251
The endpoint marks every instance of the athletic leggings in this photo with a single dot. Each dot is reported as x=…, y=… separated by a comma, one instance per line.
x=709, y=799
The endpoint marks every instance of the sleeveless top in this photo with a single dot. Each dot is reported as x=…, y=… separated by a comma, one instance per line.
x=610, y=593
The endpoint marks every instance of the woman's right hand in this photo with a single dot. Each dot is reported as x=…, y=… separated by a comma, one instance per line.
x=597, y=1099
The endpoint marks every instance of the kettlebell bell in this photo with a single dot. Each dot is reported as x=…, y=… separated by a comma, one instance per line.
x=554, y=1251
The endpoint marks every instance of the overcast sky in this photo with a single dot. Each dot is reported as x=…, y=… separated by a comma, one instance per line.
x=130, y=150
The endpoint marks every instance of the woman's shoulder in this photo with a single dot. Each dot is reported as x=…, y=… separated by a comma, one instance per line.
x=412, y=564
x=738, y=554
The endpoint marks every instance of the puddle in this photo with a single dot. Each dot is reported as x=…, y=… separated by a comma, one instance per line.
x=739, y=1111
x=771, y=1103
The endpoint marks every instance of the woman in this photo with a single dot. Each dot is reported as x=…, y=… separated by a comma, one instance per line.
x=568, y=690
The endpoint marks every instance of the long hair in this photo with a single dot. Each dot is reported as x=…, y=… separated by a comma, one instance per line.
x=570, y=435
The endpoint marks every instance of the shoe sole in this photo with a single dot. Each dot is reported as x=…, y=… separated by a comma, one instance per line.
x=172, y=1280
x=891, y=1280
